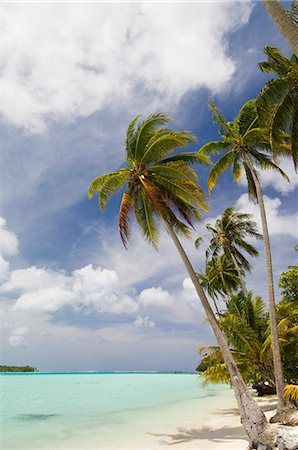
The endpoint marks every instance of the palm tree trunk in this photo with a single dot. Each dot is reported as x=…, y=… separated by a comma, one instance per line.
x=283, y=22
x=278, y=370
x=252, y=417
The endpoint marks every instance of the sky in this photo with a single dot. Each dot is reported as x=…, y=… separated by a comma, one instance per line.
x=74, y=75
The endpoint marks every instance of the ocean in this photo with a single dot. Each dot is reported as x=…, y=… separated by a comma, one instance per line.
x=103, y=410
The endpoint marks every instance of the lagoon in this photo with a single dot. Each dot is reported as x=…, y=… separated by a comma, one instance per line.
x=103, y=410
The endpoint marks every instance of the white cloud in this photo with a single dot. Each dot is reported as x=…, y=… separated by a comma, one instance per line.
x=156, y=298
x=145, y=322
x=62, y=60
x=278, y=223
x=8, y=247
x=188, y=284
x=277, y=181
x=86, y=289
x=17, y=336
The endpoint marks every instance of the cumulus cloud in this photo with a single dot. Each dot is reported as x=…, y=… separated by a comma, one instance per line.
x=278, y=222
x=156, y=298
x=62, y=61
x=8, y=247
x=279, y=183
x=86, y=289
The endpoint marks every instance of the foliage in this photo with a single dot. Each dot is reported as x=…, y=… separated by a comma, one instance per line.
x=288, y=282
x=220, y=277
x=240, y=142
x=291, y=392
x=245, y=325
x=156, y=185
x=230, y=234
x=18, y=369
x=277, y=103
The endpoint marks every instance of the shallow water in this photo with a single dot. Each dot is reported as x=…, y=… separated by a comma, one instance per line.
x=101, y=410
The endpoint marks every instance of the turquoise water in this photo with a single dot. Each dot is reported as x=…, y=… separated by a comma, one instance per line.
x=100, y=410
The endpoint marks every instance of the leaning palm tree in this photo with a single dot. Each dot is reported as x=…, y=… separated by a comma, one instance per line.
x=277, y=103
x=229, y=234
x=158, y=187
x=241, y=141
x=285, y=21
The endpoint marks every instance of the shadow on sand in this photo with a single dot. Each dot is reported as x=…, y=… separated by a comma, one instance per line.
x=221, y=434
x=187, y=435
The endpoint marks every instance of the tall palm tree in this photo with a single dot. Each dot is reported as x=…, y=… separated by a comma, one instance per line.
x=277, y=103
x=284, y=21
x=229, y=235
x=162, y=187
x=241, y=141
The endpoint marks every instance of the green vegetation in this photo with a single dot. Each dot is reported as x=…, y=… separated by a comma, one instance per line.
x=278, y=103
x=161, y=188
x=18, y=369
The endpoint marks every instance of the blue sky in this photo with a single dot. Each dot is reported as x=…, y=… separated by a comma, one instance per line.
x=74, y=76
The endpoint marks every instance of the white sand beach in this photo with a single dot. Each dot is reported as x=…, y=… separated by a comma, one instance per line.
x=221, y=431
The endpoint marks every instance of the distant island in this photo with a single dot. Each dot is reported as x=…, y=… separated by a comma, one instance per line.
x=18, y=369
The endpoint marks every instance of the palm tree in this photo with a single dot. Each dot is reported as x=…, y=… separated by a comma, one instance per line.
x=229, y=234
x=161, y=187
x=277, y=103
x=244, y=322
x=220, y=278
x=241, y=141
x=285, y=22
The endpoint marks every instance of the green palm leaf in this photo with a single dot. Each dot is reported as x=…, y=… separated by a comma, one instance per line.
x=247, y=118
x=219, y=167
x=146, y=130
x=146, y=219
x=164, y=142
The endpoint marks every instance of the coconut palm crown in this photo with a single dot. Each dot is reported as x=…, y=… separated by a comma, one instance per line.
x=277, y=103
x=155, y=185
x=230, y=233
x=241, y=141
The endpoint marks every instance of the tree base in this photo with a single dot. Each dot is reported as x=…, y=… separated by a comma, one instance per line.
x=286, y=416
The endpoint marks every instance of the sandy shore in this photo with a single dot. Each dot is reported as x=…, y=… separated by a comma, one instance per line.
x=221, y=431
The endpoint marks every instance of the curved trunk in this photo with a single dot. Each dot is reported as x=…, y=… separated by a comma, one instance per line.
x=283, y=22
x=252, y=417
x=278, y=370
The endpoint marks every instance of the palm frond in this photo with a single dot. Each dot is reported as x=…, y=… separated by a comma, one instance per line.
x=123, y=218
x=219, y=167
x=131, y=137
x=175, y=169
x=276, y=62
x=146, y=130
x=163, y=142
x=214, y=147
x=108, y=184
x=291, y=392
x=218, y=118
x=146, y=219
x=265, y=162
x=247, y=118
x=237, y=169
x=188, y=157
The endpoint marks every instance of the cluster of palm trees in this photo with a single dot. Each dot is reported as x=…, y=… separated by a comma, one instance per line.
x=163, y=188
